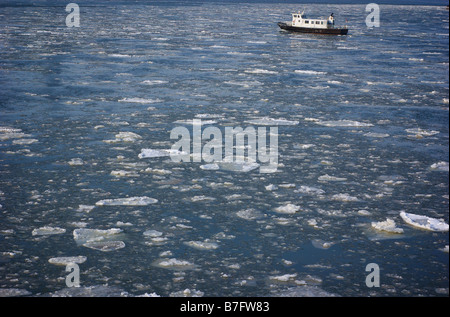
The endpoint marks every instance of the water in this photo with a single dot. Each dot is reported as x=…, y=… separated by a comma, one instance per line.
x=369, y=139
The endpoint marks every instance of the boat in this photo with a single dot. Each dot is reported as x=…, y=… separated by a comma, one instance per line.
x=300, y=23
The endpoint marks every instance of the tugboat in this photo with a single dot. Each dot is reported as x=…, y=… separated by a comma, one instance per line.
x=300, y=23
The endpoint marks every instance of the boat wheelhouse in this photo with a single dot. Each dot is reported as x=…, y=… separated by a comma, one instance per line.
x=300, y=23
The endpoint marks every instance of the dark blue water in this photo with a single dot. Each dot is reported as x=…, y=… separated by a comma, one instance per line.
x=364, y=136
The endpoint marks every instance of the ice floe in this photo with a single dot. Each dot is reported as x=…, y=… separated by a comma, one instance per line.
x=260, y=71
x=139, y=100
x=47, y=230
x=308, y=72
x=174, y=264
x=202, y=245
x=421, y=132
x=131, y=201
x=320, y=244
x=152, y=233
x=307, y=190
x=266, y=121
x=249, y=214
x=424, y=222
x=344, y=197
x=344, y=123
x=64, y=260
x=76, y=162
x=153, y=153
x=387, y=226
x=327, y=177
x=287, y=209
x=440, y=166
x=85, y=208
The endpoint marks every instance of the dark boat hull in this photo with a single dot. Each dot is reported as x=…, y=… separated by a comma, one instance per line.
x=335, y=31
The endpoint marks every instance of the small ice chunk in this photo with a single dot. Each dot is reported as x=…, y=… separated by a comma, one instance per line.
x=287, y=209
x=271, y=187
x=344, y=123
x=320, y=244
x=128, y=136
x=105, y=246
x=387, y=226
x=152, y=153
x=445, y=249
x=131, y=201
x=310, y=190
x=85, y=208
x=249, y=214
x=440, y=166
x=64, y=260
x=174, y=264
x=344, y=197
x=75, y=162
x=287, y=185
x=424, y=222
x=122, y=173
x=46, y=230
x=421, y=132
x=187, y=293
x=202, y=245
x=266, y=121
x=283, y=278
x=25, y=141
x=327, y=177
x=152, y=233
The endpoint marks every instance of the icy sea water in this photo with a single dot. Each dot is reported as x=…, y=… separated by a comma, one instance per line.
x=368, y=139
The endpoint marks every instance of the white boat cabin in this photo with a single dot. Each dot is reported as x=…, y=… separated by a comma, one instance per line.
x=300, y=20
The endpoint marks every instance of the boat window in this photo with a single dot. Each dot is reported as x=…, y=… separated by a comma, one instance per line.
x=321, y=22
x=306, y=21
x=317, y=22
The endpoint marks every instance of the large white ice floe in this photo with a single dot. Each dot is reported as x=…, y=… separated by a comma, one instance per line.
x=131, y=201
x=125, y=137
x=424, y=222
x=47, y=230
x=387, y=226
x=64, y=260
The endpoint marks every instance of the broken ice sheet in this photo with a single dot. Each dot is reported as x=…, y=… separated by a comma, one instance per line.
x=83, y=235
x=424, y=222
x=46, y=230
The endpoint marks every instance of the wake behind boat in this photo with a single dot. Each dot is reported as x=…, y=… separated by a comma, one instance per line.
x=300, y=23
